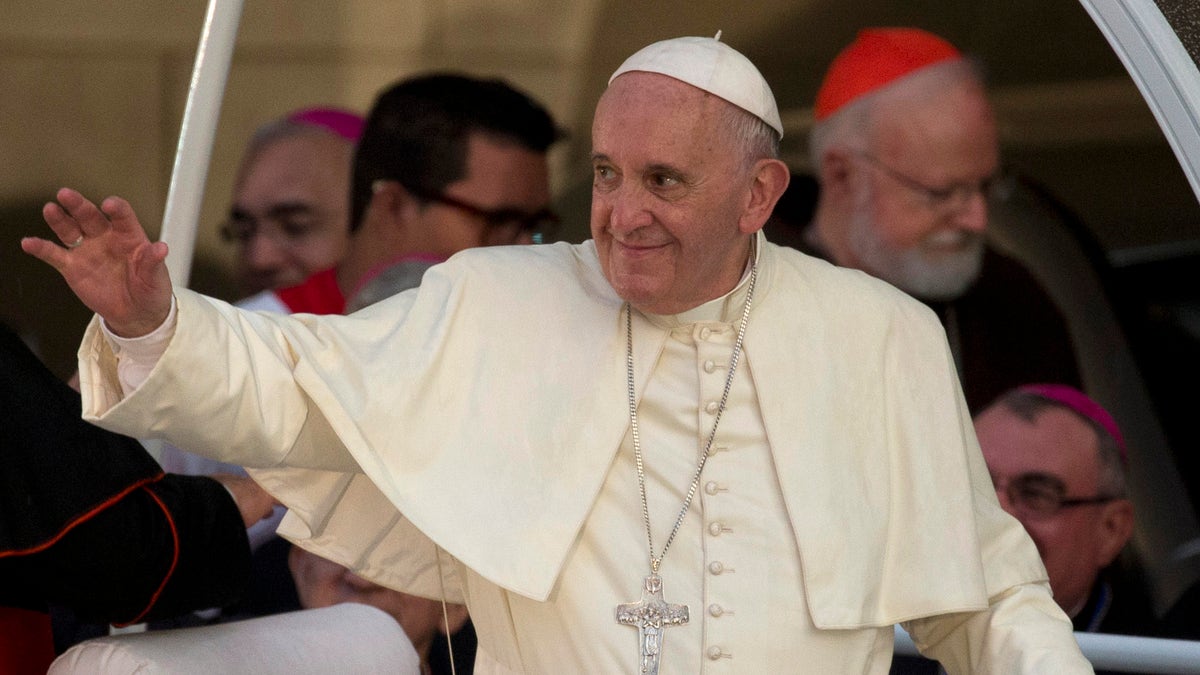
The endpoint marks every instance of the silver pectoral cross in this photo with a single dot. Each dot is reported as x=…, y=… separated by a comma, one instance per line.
x=651, y=614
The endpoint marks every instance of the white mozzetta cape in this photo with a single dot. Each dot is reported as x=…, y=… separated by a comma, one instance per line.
x=500, y=384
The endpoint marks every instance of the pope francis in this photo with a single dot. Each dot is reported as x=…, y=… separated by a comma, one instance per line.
x=674, y=448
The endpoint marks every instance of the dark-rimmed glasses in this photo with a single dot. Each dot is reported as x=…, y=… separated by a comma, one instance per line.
x=504, y=222
x=951, y=198
x=1044, y=495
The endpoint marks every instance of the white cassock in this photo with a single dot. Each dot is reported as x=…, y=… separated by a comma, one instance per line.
x=846, y=491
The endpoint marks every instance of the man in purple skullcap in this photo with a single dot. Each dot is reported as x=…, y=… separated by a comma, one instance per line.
x=1058, y=460
x=289, y=216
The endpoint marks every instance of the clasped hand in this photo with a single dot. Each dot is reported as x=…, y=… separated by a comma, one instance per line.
x=107, y=260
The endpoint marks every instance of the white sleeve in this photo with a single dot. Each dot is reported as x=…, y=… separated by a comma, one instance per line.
x=1021, y=631
x=137, y=356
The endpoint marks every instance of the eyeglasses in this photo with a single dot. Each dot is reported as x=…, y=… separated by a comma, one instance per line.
x=1043, y=495
x=285, y=223
x=503, y=223
x=950, y=199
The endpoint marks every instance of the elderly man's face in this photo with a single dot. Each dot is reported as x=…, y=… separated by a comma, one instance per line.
x=1076, y=542
x=289, y=216
x=904, y=229
x=668, y=194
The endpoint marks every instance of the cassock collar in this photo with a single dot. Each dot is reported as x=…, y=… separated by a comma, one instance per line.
x=724, y=309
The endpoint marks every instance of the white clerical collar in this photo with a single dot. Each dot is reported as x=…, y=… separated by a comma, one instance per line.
x=724, y=309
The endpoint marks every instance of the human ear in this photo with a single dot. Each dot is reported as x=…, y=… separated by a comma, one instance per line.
x=836, y=172
x=392, y=202
x=769, y=179
x=1116, y=525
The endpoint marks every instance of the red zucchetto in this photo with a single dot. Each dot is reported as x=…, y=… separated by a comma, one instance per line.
x=877, y=57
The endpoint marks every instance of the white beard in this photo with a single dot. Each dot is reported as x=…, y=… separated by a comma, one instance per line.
x=927, y=271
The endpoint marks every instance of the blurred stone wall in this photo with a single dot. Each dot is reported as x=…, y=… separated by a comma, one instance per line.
x=94, y=92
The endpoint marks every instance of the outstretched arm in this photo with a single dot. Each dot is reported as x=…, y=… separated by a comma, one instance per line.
x=1021, y=631
x=107, y=260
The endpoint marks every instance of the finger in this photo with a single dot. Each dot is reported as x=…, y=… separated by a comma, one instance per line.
x=148, y=263
x=46, y=251
x=63, y=224
x=150, y=256
x=89, y=218
x=121, y=215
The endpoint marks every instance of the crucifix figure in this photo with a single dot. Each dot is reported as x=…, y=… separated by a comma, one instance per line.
x=651, y=614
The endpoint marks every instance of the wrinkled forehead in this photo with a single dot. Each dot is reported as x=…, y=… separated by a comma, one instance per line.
x=1054, y=442
x=304, y=152
x=647, y=120
x=639, y=84
x=638, y=98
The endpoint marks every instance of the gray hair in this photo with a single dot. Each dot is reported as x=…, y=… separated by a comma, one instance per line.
x=281, y=129
x=753, y=138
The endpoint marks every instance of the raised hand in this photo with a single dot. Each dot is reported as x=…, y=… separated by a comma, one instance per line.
x=107, y=260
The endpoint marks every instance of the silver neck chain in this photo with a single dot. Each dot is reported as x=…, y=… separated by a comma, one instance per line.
x=655, y=561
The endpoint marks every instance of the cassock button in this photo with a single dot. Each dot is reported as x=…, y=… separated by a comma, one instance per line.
x=711, y=487
x=715, y=610
x=714, y=653
x=710, y=366
x=715, y=529
x=716, y=567
x=711, y=408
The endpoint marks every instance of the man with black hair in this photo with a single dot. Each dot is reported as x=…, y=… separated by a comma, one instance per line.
x=446, y=162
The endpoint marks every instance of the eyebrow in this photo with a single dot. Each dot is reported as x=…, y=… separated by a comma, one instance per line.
x=274, y=211
x=652, y=168
x=667, y=169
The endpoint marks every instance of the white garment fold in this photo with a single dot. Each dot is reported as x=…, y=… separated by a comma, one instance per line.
x=489, y=406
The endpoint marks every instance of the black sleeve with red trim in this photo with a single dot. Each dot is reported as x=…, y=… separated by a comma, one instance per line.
x=213, y=565
x=55, y=468
x=165, y=549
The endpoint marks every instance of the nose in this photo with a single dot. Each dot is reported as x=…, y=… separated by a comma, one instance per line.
x=973, y=216
x=628, y=209
x=263, y=253
x=1002, y=497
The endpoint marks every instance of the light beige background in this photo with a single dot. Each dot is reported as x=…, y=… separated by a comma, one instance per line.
x=94, y=91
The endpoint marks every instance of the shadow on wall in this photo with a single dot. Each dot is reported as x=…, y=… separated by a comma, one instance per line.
x=37, y=303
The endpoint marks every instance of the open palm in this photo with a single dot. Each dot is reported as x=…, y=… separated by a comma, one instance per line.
x=107, y=260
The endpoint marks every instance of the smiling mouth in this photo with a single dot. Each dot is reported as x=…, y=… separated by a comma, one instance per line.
x=637, y=247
